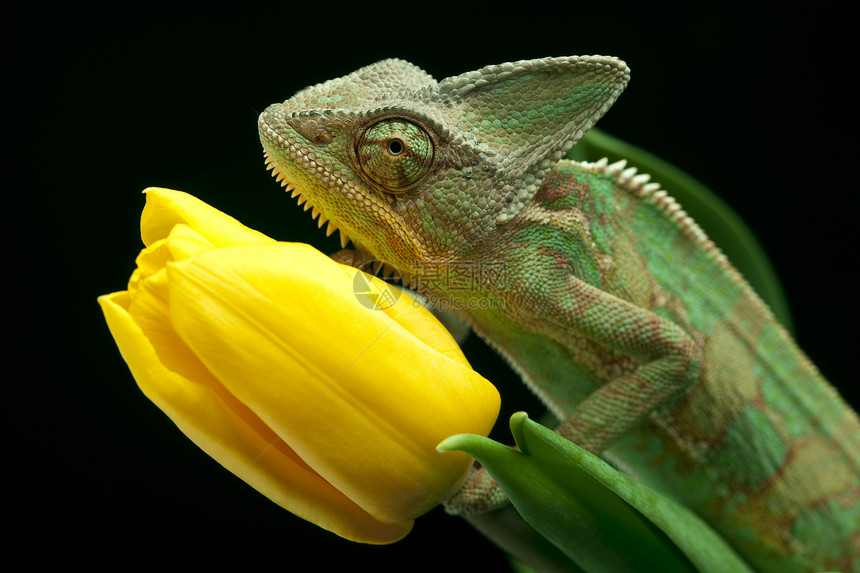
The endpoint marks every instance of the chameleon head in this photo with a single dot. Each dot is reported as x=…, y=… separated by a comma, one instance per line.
x=415, y=171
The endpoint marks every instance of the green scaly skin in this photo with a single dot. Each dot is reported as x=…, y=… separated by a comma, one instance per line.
x=605, y=297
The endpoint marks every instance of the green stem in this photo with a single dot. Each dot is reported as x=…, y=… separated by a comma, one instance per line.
x=510, y=532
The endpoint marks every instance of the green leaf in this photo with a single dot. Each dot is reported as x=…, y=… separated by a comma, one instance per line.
x=720, y=223
x=600, y=518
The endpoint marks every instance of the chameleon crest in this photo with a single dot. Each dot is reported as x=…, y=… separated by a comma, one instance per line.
x=606, y=298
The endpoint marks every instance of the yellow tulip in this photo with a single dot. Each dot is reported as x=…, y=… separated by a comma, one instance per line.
x=263, y=355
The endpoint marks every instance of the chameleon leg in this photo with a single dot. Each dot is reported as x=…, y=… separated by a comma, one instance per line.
x=668, y=364
x=479, y=495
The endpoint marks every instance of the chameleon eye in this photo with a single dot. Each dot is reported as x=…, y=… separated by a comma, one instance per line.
x=395, y=154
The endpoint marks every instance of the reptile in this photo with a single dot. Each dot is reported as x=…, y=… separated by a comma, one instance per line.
x=596, y=287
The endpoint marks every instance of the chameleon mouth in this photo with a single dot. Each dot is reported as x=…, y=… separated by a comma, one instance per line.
x=373, y=266
x=295, y=192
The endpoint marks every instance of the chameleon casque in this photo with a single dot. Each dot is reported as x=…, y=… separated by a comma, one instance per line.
x=608, y=300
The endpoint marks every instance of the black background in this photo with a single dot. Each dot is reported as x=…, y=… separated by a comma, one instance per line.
x=752, y=102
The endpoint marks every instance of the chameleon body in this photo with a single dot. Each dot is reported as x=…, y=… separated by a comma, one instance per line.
x=606, y=298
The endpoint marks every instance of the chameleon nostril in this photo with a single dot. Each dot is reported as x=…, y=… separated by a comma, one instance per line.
x=312, y=129
x=321, y=137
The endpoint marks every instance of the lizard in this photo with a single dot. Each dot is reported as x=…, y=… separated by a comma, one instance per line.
x=605, y=297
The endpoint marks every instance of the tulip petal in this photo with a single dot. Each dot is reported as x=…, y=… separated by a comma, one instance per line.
x=413, y=317
x=329, y=375
x=182, y=242
x=166, y=208
x=229, y=432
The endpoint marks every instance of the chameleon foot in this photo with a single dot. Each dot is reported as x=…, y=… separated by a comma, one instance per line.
x=480, y=494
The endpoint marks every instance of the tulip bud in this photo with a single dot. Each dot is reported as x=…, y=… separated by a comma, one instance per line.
x=263, y=354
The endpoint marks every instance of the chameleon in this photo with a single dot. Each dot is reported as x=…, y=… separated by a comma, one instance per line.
x=603, y=295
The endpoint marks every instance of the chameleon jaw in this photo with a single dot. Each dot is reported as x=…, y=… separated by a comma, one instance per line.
x=377, y=266
x=295, y=192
